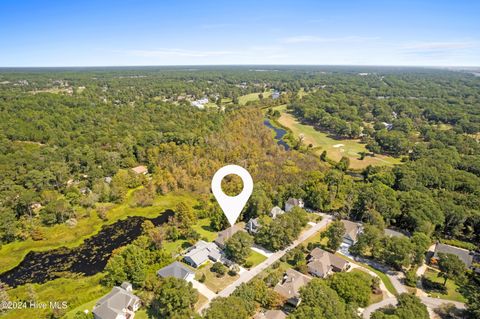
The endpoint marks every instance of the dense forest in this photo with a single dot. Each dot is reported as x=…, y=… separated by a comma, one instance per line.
x=69, y=138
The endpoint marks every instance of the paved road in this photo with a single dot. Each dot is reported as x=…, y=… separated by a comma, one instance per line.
x=248, y=275
x=372, y=308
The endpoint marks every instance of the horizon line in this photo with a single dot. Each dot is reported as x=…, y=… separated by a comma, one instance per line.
x=220, y=65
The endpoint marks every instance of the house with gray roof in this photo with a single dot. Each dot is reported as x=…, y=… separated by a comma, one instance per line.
x=120, y=303
x=253, y=225
x=202, y=252
x=463, y=254
x=293, y=202
x=177, y=270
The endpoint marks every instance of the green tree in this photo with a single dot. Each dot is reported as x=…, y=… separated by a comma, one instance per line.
x=237, y=248
x=353, y=287
x=173, y=298
x=451, y=267
x=232, y=307
x=334, y=234
x=320, y=301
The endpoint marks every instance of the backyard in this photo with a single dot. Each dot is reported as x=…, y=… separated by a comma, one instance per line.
x=433, y=285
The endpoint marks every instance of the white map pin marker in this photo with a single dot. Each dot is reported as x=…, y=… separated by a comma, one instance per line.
x=232, y=205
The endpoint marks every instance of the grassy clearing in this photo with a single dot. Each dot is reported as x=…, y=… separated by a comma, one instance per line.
x=244, y=99
x=256, y=258
x=64, y=236
x=77, y=292
x=335, y=148
x=213, y=282
x=452, y=292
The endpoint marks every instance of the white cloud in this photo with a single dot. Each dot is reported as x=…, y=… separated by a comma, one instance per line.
x=317, y=39
x=447, y=45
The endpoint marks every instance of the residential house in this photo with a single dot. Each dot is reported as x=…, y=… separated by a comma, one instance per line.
x=275, y=95
x=392, y=233
x=276, y=211
x=140, y=170
x=463, y=254
x=120, y=303
x=253, y=225
x=177, y=270
x=271, y=314
x=289, y=287
x=202, y=252
x=293, y=202
x=321, y=263
x=225, y=235
x=352, y=230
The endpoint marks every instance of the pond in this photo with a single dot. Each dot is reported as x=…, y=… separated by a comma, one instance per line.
x=279, y=134
x=88, y=259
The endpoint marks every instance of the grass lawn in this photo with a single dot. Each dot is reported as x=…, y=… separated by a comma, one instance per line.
x=244, y=99
x=256, y=258
x=202, y=227
x=201, y=301
x=62, y=235
x=213, y=282
x=79, y=293
x=335, y=148
x=452, y=288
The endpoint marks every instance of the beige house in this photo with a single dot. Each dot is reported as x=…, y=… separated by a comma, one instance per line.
x=289, y=287
x=321, y=263
x=141, y=169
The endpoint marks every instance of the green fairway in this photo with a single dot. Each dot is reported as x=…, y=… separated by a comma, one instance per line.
x=244, y=99
x=335, y=148
x=64, y=236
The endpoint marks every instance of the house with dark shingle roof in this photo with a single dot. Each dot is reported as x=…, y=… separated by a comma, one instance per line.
x=120, y=303
x=177, y=270
x=463, y=254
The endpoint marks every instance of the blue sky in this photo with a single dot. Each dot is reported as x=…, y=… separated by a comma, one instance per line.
x=121, y=32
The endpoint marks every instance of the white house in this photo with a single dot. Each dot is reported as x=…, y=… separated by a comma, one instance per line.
x=202, y=252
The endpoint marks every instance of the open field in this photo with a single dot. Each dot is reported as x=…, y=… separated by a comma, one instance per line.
x=64, y=236
x=451, y=287
x=335, y=148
